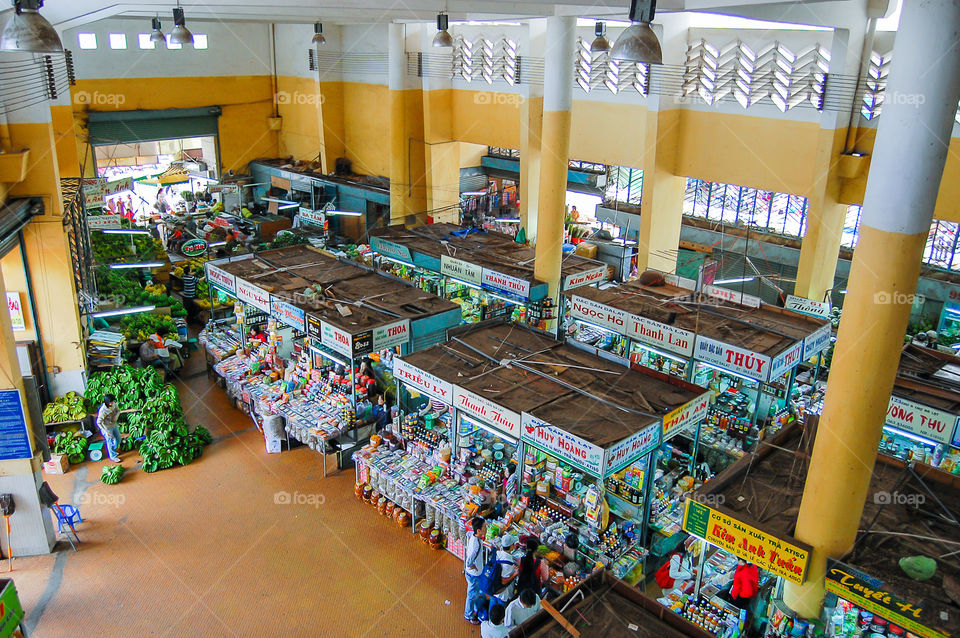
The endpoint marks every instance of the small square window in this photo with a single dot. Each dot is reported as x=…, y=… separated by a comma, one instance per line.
x=199, y=41
x=145, y=41
x=172, y=45
x=87, y=40
x=118, y=41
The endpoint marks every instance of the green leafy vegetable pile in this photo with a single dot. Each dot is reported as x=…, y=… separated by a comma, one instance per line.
x=69, y=407
x=71, y=444
x=111, y=474
x=169, y=440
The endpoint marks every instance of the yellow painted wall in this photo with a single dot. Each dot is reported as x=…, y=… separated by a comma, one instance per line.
x=43, y=173
x=334, y=135
x=765, y=153
x=65, y=135
x=247, y=102
x=366, y=123
x=298, y=103
x=608, y=133
x=485, y=117
x=470, y=154
x=15, y=279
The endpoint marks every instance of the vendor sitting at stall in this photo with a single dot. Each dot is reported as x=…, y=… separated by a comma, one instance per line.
x=152, y=353
x=256, y=334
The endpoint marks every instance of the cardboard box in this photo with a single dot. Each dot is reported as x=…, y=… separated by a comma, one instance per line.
x=58, y=464
x=274, y=445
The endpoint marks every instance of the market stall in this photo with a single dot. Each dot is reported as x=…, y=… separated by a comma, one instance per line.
x=541, y=438
x=603, y=605
x=746, y=354
x=332, y=329
x=487, y=273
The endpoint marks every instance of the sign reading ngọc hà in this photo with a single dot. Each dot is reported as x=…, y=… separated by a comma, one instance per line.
x=660, y=335
x=567, y=447
x=423, y=381
x=462, y=270
x=849, y=584
x=585, y=278
x=607, y=317
x=498, y=417
x=732, y=358
x=780, y=556
x=635, y=446
x=920, y=419
x=686, y=416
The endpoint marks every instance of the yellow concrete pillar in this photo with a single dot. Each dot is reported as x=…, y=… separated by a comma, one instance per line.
x=555, y=150
x=662, y=206
x=441, y=153
x=907, y=167
x=399, y=150
x=531, y=132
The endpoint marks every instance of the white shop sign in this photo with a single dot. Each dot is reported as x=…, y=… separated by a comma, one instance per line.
x=604, y=316
x=565, y=446
x=289, y=314
x=631, y=448
x=422, y=380
x=500, y=418
x=585, y=278
x=920, y=419
x=732, y=358
x=103, y=222
x=253, y=295
x=94, y=190
x=506, y=283
x=786, y=360
x=660, y=335
x=732, y=296
x=680, y=282
x=687, y=415
x=807, y=306
x=390, y=249
x=462, y=270
x=221, y=279
x=336, y=339
x=818, y=341
x=390, y=335
x=312, y=217
x=118, y=186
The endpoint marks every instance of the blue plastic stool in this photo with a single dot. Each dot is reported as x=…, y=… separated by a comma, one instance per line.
x=70, y=515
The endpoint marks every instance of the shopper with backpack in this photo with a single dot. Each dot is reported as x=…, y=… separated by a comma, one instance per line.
x=495, y=584
x=473, y=565
x=675, y=571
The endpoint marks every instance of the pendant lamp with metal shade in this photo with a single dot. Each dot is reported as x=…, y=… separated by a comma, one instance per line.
x=180, y=34
x=638, y=42
x=156, y=35
x=600, y=44
x=24, y=29
x=318, y=38
x=443, y=37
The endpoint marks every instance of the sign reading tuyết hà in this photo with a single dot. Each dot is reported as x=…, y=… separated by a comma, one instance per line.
x=849, y=584
x=787, y=558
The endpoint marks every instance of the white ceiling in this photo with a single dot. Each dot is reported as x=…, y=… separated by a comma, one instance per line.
x=65, y=14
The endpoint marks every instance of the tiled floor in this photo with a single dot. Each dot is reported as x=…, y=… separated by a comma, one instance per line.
x=206, y=549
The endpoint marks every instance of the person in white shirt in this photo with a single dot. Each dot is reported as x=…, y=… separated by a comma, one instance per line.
x=472, y=567
x=519, y=610
x=496, y=626
x=508, y=573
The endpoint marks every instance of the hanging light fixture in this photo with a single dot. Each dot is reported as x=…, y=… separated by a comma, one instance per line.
x=24, y=29
x=443, y=37
x=600, y=44
x=638, y=42
x=156, y=35
x=180, y=34
x=318, y=34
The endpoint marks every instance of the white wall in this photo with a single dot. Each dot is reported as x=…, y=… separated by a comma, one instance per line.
x=234, y=48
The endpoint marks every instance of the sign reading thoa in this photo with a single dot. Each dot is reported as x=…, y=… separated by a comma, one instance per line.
x=500, y=418
x=336, y=339
x=391, y=335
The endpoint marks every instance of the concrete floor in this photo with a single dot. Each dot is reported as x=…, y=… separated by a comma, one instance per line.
x=206, y=549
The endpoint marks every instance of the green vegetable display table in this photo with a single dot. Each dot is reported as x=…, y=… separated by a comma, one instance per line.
x=11, y=611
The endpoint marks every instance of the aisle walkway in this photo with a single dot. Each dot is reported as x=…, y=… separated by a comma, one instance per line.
x=211, y=550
